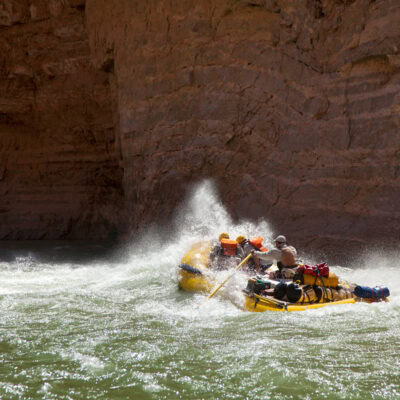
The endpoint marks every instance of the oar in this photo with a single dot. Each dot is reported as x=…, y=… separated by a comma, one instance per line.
x=272, y=301
x=229, y=277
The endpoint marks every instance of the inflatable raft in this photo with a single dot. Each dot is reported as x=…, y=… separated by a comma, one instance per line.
x=197, y=271
x=261, y=295
x=194, y=274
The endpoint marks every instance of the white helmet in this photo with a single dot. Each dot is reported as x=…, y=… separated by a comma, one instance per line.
x=280, y=239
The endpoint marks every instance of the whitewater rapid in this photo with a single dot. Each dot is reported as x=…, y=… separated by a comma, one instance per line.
x=119, y=328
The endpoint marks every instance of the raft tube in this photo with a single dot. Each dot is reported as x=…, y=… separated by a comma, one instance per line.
x=257, y=299
x=193, y=275
x=257, y=303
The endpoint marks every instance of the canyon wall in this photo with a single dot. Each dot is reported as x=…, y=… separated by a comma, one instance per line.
x=59, y=169
x=293, y=107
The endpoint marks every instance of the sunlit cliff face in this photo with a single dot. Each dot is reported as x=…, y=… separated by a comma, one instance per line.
x=293, y=111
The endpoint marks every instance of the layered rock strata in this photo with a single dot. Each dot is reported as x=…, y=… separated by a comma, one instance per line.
x=293, y=107
x=59, y=170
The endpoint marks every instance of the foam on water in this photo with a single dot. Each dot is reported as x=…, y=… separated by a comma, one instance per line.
x=122, y=329
x=154, y=258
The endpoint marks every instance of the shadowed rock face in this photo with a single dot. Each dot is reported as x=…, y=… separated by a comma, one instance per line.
x=293, y=107
x=59, y=171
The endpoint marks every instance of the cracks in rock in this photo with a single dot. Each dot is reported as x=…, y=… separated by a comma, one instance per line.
x=319, y=10
x=192, y=76
x=318, y=71
x=352, y=197
x=212, y=12
x=362, y=27
x=278, y=197
x=168, y=25
x=292, y=192
x=274, y=137
x=240, y=128
x=169, y=43
x=289, y=195
x=347, y=112
x=309, y=66
x=243, y=119
x=108, y=63
x=214, y=26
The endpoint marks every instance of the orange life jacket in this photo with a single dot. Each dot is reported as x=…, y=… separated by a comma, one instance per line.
x=229, y=246
x=256, y=242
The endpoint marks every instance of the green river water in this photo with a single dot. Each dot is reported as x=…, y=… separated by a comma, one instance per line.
x=117, y=327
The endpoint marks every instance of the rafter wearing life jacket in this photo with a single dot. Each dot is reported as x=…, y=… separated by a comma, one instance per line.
x=256, y=242
x=229, y=246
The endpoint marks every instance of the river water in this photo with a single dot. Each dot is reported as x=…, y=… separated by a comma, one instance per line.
x=103, y=326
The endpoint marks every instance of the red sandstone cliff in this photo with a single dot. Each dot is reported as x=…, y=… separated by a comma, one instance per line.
x=292, y=106
x=59, y=171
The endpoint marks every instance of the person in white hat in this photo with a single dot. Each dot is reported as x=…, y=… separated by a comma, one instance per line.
x=284, y=255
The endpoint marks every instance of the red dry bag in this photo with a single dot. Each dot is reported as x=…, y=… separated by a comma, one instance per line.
x=315, y=270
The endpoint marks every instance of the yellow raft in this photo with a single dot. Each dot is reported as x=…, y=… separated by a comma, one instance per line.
x=194, y=275
x=257, y=303
x=257, y=300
